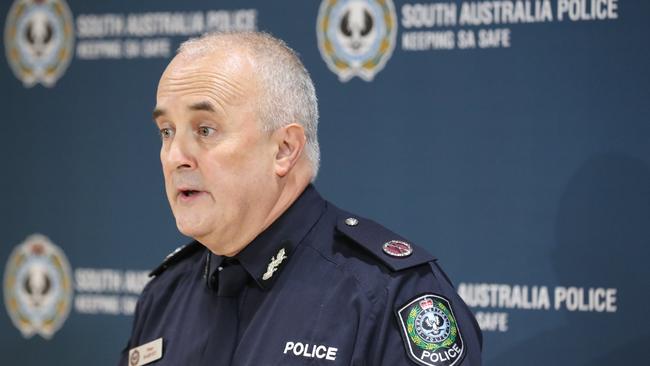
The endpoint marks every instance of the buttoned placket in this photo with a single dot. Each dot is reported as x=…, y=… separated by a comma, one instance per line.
x=227, y=280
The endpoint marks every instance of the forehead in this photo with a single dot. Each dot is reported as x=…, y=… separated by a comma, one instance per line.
x=221, y=78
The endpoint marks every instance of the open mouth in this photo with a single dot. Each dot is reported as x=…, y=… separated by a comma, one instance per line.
x=189, y=192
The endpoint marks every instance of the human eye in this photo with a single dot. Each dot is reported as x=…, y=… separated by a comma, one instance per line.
x=166, y=133
x=205, y=131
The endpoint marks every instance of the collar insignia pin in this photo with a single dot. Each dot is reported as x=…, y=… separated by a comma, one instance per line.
x=274, y=264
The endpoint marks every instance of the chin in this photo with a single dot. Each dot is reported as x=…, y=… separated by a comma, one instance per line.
x=190, y=229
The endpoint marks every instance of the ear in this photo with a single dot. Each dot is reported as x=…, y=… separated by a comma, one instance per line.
x=290, y=140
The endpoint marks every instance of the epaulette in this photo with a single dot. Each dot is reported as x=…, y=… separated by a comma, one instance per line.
x=176, y=256
x=392, y=250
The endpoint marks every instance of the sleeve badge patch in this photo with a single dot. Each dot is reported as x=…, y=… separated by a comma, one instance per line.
x=430, y=331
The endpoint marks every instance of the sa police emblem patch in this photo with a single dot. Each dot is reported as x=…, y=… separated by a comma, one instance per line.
x=356, y=37
x=38, y=287
x=430, y=331
x=39, y=39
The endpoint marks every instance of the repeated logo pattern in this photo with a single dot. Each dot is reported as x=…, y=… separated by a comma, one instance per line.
x=39, y=39
x=356, y=37
x=37, y=287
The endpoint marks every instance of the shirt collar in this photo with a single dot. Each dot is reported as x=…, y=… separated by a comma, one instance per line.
x=269, y=252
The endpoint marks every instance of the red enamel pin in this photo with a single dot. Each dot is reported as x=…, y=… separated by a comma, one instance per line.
x=397, y=248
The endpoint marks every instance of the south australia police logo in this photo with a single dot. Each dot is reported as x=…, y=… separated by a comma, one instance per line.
x=356, y=37
x=37, y=287
x=430, y=332
x=39, y=40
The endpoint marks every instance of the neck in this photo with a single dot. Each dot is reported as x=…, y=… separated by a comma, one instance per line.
x=290, y=188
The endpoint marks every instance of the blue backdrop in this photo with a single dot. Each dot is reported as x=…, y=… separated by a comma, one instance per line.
x=521, y=160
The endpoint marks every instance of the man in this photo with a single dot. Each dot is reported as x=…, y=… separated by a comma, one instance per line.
x=276, y=275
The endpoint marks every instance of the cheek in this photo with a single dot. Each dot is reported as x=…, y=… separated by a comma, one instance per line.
x=234, y=160
x=237, y=166
x=169, y=187
x=163, y=165
x=260, y=155
x=166, y=175
x=162, y=154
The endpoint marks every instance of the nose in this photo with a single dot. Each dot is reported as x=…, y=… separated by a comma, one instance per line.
x=179, y=153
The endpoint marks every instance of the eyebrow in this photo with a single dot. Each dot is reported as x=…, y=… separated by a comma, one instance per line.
x=203, y=106
x=157, y=112
x=200, y=106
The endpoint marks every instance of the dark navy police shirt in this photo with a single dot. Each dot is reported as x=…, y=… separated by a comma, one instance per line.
x=315, y=288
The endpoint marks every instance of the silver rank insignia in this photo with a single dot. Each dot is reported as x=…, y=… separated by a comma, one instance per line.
x=274, y=264
x=430, y=331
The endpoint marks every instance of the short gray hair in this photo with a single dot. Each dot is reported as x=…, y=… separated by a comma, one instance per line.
x=289, y=95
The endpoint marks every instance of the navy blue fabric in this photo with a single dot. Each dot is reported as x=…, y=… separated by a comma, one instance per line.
x=373, y=233
x=330, y=291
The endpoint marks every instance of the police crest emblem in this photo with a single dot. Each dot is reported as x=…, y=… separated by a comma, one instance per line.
x=37, y=287
x=430, y=331
x=356, y=37
x=39, y=38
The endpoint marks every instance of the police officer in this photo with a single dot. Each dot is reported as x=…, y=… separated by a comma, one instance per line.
x=277, y=275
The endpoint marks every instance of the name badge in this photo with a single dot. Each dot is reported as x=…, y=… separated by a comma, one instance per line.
x=146, y=353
